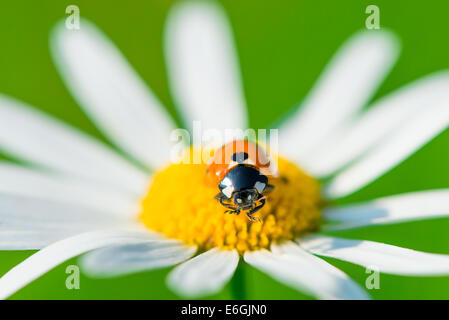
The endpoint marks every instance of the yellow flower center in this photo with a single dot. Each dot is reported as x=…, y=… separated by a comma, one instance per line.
x=180, y=205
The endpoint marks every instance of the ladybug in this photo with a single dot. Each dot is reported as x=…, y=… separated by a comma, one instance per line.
x=241, y=169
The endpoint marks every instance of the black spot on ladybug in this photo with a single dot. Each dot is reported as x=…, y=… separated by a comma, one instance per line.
x=240, y=157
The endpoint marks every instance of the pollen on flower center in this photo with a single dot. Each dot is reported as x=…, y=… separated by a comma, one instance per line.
x=180, y=205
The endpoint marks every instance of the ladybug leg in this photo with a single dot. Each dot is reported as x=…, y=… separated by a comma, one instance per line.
x=255, y=209
x=263, y=196
x=232, y=209
x=224, y=204
x=220, y=197
x=268, y=189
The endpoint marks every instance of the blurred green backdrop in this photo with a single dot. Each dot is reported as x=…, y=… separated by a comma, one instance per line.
x=283, y=46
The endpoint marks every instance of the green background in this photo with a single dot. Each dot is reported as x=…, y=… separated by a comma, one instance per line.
x=283, y=46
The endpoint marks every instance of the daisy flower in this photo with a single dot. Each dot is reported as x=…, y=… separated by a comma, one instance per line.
x=124, y=214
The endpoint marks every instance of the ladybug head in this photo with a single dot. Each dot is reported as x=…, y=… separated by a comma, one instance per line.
x=244, y=199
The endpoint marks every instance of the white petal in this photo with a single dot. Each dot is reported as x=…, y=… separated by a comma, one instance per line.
x=407, y=140
x=403, y=207
x=18, y=210
x=53, y=255
x=27, y=224
x=378, y=256
x=31, y=135
x=203, y=66
x=19, y=181
x=128, y=258
x=345, y=86
x=378, y=123
x=112, y=93
x=205, y=274
x=300, y=270
x=13, y=239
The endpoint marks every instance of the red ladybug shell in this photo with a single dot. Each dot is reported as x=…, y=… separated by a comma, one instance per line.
x=235, y=153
